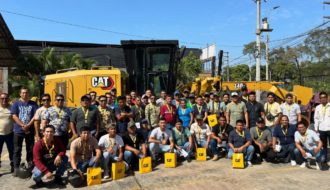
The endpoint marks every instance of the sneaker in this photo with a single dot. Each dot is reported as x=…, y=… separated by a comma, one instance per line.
x=318, y=166
x=188, y=159
x=303, y=165
x=249, y=164
x=40, y=184
x=215, y=158
x=106, y=177
x=293, y=163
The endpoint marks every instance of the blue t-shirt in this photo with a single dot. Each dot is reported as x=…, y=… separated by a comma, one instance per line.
x=238, y=140
x=25, y=112
x=185, y=117
x=285, y=137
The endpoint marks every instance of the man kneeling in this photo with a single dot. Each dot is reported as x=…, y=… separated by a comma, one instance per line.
x=48, y=156
x=81, y=152
x=240, y=142
x=308, y=144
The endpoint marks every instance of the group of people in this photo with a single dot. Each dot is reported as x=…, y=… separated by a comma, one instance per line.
x=110, y=128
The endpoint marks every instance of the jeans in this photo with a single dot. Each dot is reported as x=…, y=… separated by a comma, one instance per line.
x=18, y=144
x=319, y=156
x=325, y=138
x=287, y=151
x=157, y=148
x=82, y=166
x=9, y=140
x=186, y=148
x=109, y=159
x=37, y=174
x=214, y=147
x=129, y=157
x=248, y=153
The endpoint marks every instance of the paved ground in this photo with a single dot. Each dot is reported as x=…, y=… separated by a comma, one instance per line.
x=202, y=175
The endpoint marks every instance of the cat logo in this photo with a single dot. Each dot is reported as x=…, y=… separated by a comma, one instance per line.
x=119, y=171
x=145, y=165
x=169, y=160
x=201, y=154
x=105, y=83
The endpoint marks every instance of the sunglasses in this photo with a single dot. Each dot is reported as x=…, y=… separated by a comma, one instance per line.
x=59, y=100
x=44, y=100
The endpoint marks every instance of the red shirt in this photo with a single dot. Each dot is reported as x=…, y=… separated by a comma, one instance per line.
x=169, y=113
x=41, y=153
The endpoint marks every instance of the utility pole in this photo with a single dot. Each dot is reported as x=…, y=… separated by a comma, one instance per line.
x=326, y=3
x=226, y=61
x=267, y=57
x=258, y=48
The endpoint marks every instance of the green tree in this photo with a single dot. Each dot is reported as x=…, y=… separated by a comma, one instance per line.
x=250, y=49
x=189, y=68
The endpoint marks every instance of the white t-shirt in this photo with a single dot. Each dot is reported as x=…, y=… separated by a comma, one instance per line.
x=105, y=142
x=291, y=111
x=309, y=140
x=6, y=122
x=200, y=132
x=161, y=135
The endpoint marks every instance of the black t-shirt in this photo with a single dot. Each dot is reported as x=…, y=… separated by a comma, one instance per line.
x=128, y=140
x=222, y=132
x=254, y=111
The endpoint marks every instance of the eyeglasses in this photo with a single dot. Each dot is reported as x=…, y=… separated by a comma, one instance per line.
x=59, y=100
x=44, y=100
x=103, y=100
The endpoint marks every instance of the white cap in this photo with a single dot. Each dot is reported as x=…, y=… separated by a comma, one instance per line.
x=234, y=94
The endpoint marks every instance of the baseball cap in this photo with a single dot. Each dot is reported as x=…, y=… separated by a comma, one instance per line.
x=260, y=120
x=131, y=124
x=234, y=94
x=191, y=95
x=199, y=117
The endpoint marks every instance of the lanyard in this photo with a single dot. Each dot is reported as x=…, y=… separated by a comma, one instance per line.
x=181, y=135
x=288, y=108
x=241, y=135
x=224, y=130
x=199, y=109
x=85, y=113
x=169, y=108
x=324, y=109
x=305, y=137
x=49, y=149
x=217, y=106
x=83, y=150
x=60, y=112
x=285, y=132
x=183, y=111
x=259, y=134
x=133, y=138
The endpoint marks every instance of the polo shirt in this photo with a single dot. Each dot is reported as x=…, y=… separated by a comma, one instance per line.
x=291, y=111
x=135, y=143
x=237, y=140
x=236, y=112
x=180, y=137
x=196, y=110
x=78, y=118
x=222, y=132
x=264, y=136
x=254, y=110
x=285, y=138
x=309, y=140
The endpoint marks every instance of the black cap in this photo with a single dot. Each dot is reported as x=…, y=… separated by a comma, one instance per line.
x=191, y=95
x=84, y=97
x=260, y=120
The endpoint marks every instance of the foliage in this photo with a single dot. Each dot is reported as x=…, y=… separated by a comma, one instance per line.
x=250, y=49
x=30, y=69
x=189, y=68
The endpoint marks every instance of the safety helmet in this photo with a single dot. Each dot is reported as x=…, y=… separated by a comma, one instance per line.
x=25, y=170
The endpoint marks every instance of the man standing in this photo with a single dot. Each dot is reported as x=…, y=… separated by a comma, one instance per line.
x=291, y=109
x=59, y=117
x=284, y=133
x=182, y=139
x=162, y=99
x=161, y=139
x=176, y=100
x=112, y=146
x=214, y=105
x=224, y=103
x=93, y=96
x=322, y=121
x=308, y=144
x=123, y=115
x=240, y=142
x=23, y=111
x=81, y=152
x=236, y=110
x=138, y=110
x=152, y=112
x=107, y=115
x=48, y=156
x=135, y=146
x=200, y=108
x=273, y=112
x=168, y=111
x=6, y=128
x=255, y=109
x=38, y=126
x=262, y=142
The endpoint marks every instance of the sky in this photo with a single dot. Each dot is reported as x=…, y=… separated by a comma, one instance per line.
x=227, y=23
